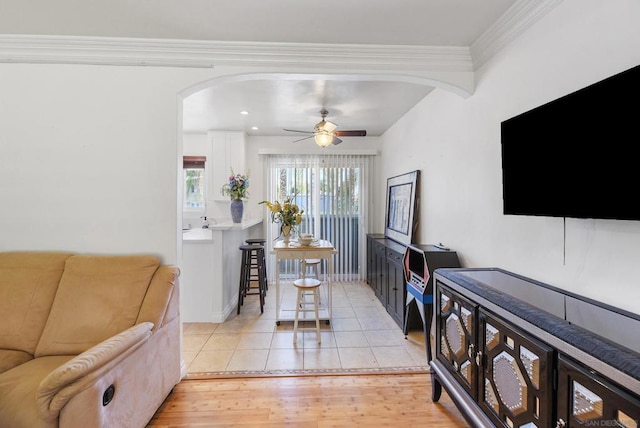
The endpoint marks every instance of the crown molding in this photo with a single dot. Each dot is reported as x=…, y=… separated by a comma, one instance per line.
x=522, y=15
x=207, y=54
x=400, y=59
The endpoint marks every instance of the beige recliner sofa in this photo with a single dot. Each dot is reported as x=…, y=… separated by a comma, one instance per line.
x=86, y=341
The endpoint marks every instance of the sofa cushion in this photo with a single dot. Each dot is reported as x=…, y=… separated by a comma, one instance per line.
x=10, y=359
x=28, y=283
x=98, y=297
x=161, y=304
x=18, y=387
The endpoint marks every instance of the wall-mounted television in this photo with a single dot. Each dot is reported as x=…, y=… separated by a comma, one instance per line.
x=576, y=156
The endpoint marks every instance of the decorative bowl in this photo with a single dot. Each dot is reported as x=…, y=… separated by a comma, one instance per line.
x=305, y=239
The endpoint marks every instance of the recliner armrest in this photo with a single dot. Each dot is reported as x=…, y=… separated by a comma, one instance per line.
x=67, y=380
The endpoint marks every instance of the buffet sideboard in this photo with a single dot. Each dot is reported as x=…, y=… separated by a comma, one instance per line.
x=386, y=276
x=514, y=352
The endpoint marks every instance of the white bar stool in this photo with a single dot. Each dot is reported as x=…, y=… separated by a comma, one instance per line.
x=313, y=264
x=306, y=286
x=308, y=265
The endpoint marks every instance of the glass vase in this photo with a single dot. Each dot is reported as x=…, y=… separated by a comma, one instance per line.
x=286, y=234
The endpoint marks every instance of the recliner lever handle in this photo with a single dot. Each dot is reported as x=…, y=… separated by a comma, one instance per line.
x=108, y=394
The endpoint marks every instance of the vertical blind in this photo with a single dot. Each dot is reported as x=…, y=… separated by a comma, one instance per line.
x=333, y=192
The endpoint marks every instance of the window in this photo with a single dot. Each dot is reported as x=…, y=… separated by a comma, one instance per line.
x=194, y=179
x=332, y=192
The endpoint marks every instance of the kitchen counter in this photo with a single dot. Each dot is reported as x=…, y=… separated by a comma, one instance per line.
x=200, y=234
x=197, y=235
x=210, y=269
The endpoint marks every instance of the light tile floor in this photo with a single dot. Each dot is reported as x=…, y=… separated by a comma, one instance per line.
x=360, y=335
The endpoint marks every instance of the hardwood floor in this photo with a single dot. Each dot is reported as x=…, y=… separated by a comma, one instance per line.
x=308, y=401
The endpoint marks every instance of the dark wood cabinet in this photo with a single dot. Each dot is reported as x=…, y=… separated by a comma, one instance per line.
x=381, y=269
x=515, y=376
x=456, y=327
x=396, y=294
x=513, y=352
x=385, y=275
x=507, y=372
x=370, y=276
x=585, y=398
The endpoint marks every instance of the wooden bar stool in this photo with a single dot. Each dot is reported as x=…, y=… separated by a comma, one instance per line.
x=249, y=253
x=306, y=287
x=254, y=263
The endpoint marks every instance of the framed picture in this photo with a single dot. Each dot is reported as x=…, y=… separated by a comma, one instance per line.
x=401, y=220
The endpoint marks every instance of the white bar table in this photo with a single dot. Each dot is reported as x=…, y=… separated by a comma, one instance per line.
x=320, y=249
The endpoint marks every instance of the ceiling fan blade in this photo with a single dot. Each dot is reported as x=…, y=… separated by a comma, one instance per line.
x=295, y=130
x=355, y=133
x=305, y=138
x=336, y=141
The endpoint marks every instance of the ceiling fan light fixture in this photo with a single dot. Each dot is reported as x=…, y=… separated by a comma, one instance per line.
x=323, y=138
x=325, y=133
x=325, y=125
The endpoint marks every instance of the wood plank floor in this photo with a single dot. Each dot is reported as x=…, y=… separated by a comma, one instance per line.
x=398, y=400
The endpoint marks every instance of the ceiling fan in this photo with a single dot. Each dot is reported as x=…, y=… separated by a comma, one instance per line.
x=325, y=133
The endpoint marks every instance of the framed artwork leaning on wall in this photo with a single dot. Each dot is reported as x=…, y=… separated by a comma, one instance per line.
x=401, y=219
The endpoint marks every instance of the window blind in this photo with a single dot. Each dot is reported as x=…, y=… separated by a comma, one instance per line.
x=193, y=162
x=333, y=192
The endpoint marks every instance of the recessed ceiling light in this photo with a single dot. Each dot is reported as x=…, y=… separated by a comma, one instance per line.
x=255, y=128
x=244, y=112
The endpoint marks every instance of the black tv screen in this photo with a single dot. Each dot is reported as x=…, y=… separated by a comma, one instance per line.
x=417, y=262
x=576, y=156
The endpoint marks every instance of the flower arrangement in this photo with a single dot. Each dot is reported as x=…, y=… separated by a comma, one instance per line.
x=285, y=214
x=237, y=187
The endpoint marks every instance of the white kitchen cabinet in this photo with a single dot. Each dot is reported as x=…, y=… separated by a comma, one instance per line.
x=227, y=154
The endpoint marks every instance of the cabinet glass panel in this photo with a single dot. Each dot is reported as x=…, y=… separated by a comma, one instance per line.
x=586, y=399
x=456, y=332
x=515, y=375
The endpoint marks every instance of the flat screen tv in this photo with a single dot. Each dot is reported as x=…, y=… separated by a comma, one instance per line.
x=576, y=156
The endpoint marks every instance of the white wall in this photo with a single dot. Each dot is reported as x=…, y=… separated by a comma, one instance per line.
x=455, y=142
x=88, y=158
